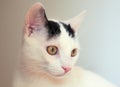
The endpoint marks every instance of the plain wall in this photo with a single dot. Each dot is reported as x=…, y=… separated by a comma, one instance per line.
x=99, y=34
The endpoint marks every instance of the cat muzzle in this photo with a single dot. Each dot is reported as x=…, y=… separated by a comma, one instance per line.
x=66, y=69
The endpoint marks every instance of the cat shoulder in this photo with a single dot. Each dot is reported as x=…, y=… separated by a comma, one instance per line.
x=90, y=79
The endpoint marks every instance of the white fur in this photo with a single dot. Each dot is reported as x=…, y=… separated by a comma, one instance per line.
x=36, y=45
x=37, y=68
x=35, y=55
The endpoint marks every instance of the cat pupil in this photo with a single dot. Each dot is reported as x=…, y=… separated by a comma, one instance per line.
x=53, y=49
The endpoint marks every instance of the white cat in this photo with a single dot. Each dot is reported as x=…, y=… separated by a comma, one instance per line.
x=49, y=51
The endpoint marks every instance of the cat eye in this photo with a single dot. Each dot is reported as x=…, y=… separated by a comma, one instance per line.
x=52, y=50
x=74, y=52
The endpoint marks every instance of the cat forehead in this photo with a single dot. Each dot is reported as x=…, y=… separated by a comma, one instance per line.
x=56, y=28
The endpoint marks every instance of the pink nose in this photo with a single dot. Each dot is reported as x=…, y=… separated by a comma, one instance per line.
x=66, y=69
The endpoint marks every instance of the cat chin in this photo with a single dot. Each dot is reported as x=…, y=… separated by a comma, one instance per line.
x=59, y=75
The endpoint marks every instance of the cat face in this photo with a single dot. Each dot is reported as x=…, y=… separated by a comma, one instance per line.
x=52, y=44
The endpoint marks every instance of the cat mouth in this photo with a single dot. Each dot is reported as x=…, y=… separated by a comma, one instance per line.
x=63, y=74
x=65, y=71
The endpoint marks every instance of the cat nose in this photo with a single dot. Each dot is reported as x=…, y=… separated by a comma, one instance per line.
x=66, y=69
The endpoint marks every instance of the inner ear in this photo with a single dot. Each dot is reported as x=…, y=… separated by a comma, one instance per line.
x=35, y=19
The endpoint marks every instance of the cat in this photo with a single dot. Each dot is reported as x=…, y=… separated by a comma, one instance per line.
x=50, y=50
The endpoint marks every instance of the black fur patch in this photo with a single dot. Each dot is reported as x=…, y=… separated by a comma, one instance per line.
x=69, y=29
x=53, y=29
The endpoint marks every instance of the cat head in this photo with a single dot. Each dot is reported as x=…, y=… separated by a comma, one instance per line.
x=51, y=44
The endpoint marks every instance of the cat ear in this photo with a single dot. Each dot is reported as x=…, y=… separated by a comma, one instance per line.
x=76, y=21
x=35, y=18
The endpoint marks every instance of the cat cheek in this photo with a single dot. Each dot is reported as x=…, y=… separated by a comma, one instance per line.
x=55, y=71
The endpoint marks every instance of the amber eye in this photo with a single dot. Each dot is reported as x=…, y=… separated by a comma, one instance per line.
x=52, y=50
x=74, y=52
